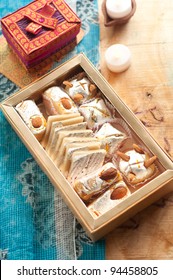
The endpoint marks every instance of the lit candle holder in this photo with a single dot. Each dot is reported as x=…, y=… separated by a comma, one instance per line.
x=117, y=12
x=118, y=58
x=118, y=8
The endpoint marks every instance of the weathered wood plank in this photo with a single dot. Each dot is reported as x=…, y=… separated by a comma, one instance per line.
x=147, y=88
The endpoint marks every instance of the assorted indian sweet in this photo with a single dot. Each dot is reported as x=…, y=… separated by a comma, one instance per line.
x=136, y=165
x=80, y=88
x=95, y=112
x=34, y=119
x=109, y=136
x=69, y=147
x=57, y=121
x=78, y=128
x=56, y=101
x=117, y=193
x=84, y=163
x=97, y=181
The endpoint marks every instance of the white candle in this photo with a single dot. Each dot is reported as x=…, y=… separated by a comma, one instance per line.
x=118, y=8
x=118, y=58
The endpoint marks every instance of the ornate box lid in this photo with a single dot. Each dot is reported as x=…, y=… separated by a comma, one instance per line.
x=39, y=23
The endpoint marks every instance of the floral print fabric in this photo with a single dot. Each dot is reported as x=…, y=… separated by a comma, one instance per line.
x=35, y=223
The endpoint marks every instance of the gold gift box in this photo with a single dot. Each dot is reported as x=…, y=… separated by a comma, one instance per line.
x=96, y=228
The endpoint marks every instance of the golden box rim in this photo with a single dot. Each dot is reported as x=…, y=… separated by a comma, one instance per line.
x=96, y=228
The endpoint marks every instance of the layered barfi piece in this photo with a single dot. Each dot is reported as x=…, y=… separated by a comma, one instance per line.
x=110, y=137
x=59, y=132
x=95, y=112
x=117, y=193
x=137, y=165
x=70, y=148
x=58, y=151
x=80, y=89
x=56, y=101
x=54, y=121
x=32, y=116
x=85, y=162
x=73, y=140
x=63, y=125
x=97, y=182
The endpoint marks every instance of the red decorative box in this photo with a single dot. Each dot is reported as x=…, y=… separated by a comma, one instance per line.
x=40, y=29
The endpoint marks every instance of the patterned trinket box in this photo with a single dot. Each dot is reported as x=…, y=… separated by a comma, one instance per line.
x=40, y=29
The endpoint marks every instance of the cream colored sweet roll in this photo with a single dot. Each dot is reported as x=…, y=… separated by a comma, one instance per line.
x=33, y=118
x=56, y=101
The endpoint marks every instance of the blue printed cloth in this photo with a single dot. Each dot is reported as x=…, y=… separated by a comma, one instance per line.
x=35, y=223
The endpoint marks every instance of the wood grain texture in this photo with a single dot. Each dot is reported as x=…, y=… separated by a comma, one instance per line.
x=147, y=88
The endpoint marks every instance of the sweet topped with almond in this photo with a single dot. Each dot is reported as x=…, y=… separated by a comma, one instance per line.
x=136, y=165
x=117, y=193
x=36, y=121
x=80, y=89
x=97, y=182
x=57, y=102
x=32, y=116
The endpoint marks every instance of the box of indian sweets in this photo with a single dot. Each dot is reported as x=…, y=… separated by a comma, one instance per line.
x=92, y=147
x=40, y=29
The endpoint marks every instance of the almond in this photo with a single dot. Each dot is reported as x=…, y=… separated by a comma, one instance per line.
x=78, y=97
x=93, y=89
x=80, y=76
x=108, y=174
x=131, y=176
x=123, y=156
x=68, y=84
x=118, y=193
x=138, y=149
x=66, y=103
x=149, y=161
x=36, y=122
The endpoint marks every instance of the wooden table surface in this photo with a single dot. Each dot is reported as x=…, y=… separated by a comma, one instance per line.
x=147, y=88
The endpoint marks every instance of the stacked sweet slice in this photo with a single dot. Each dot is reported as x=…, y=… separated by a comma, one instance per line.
x=57, y=121
x=65, y=126
x=82, y=144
